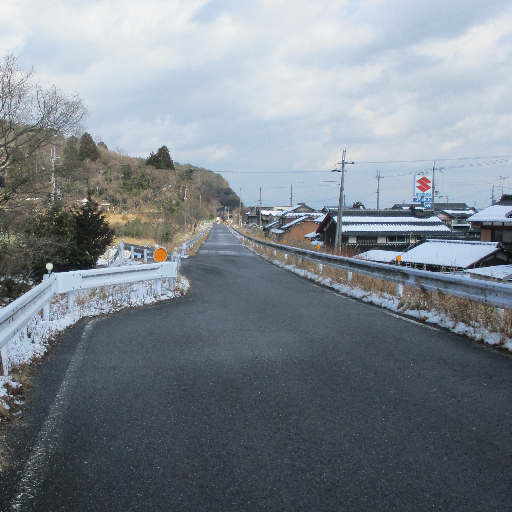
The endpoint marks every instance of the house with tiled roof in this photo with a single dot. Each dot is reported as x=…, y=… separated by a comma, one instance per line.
x=495, y=222
x=294, y=223
x=382, y=229
x=494, y=273
x=267, y=215
x=455, y=255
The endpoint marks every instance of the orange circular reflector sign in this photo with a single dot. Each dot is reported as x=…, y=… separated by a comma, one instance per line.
x=160, y=255
x=399, y=258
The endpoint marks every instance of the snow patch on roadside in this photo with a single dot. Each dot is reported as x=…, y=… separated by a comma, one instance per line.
x=35, y=338
x=475, y=332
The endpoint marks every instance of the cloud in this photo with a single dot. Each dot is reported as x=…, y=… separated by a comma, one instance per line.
x=284, y=86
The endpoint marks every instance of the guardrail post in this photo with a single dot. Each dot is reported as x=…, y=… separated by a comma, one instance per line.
x=183, y=248
x=399, y=290
x=46, y=312
x=320, y=268
x=158, y=286
x=70, y=301
x=46, y=307
x=5, y=359
x=171, y=283
x=131, y=253
x=145, y=255
x=349, y=276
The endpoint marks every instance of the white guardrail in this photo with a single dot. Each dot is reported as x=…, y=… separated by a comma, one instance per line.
x=192, y=241
x=488, y=292
x=17, y=314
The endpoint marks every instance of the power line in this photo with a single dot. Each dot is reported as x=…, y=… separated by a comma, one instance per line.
x=502, y=159
x=437, y=160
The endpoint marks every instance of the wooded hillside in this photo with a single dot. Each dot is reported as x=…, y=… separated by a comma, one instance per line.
x=57, y=190
x=125, y=184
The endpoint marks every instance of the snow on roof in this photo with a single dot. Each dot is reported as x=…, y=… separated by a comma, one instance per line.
x=313, y=234
x=379, y=255
x=494, y=213
x=275, y=213
x=450, y=253
x=305, y=216
x=503, y=272
x=393, y=225
x=277, y=231
x=469, y=211
x=271, y=224
x=293, y=208
x=295, y=221
x=394, y=228
x=349, y=219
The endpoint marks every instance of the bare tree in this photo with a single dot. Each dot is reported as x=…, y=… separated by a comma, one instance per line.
x=31, y=118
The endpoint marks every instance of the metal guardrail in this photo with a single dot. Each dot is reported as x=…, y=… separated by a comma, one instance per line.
x=487, y=292
x=192, y=241
x=17, y=314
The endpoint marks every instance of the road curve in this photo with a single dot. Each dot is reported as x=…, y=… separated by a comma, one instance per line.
x=262, y=391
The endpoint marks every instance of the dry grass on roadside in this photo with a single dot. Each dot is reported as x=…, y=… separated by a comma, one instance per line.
x=459, y=310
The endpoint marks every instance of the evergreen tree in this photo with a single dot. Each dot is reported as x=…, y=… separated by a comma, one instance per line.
x=88, y=148
x=92, y=234
x=52, y=237
x=71, y=153
x=71, y=240
x=162, y=159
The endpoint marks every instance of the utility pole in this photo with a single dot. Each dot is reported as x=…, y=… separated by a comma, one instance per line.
x=339, y=227
x=433, y=185
x=379, y=177
x=240, y=209
x=260, y=209
x=53, y=157
x=502, y=178
x=291, y=196
x=492, y=196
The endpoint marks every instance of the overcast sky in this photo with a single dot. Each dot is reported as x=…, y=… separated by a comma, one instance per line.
x=268, y=93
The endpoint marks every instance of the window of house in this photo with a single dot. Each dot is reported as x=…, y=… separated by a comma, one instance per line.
x=497, y=235
x=366, y=239
x=396, y=239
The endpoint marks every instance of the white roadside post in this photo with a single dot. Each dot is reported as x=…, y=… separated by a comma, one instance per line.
x=70, y=301
x=6, y=359
x=46, y=308
x=121, y=250
x=399, y=286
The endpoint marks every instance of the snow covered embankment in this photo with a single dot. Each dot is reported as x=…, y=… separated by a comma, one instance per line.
x=475, y=331
x=34, y=339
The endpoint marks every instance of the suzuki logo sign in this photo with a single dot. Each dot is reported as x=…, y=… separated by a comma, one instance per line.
x=422, y=191
x=423, y=184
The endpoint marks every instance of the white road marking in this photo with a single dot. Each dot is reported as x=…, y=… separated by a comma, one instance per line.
x=37, y=465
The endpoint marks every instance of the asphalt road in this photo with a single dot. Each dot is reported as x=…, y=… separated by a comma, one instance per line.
x=262, y=391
